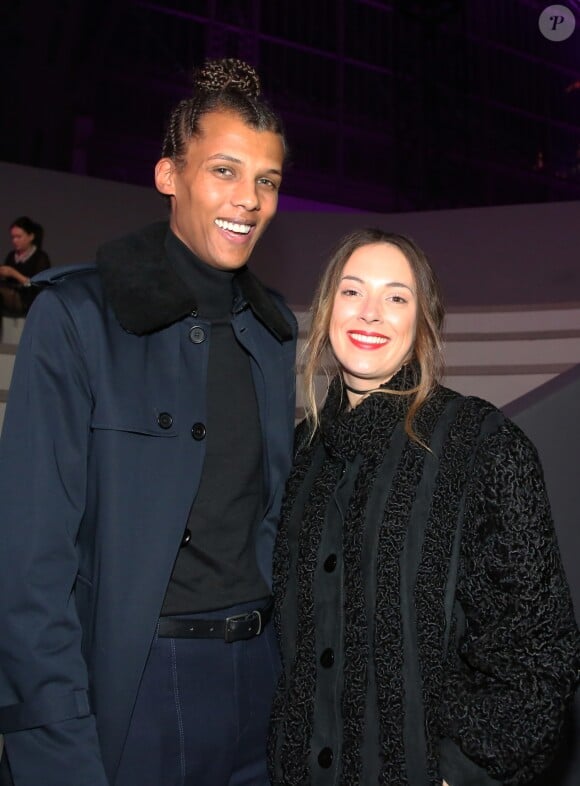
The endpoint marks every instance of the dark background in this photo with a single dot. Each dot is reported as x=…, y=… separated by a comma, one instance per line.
x=389, y=106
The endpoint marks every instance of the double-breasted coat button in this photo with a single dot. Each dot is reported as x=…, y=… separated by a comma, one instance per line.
x=193, y=312
x=164, y=420
x=325, y=758
x=327, y=658
x=330, y=563
x=198, y=431
x=186, y=538
x=197, y=335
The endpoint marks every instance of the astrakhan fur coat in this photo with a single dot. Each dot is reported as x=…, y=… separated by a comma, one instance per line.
x=426, y=624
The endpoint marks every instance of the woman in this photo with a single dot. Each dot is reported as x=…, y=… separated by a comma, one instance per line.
x=426, y=624
x=25, y=260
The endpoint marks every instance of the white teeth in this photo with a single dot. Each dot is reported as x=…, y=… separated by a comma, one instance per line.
x=368, y=339
x=241, y=229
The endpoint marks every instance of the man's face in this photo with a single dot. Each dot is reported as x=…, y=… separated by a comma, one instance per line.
x=227, y=193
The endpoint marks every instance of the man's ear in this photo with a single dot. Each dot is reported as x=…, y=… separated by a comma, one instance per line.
x=164, y=172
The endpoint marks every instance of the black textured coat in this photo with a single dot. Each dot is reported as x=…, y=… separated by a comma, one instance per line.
x=426, y=625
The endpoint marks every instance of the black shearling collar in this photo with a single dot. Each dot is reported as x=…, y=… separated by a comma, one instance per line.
x=147, y=294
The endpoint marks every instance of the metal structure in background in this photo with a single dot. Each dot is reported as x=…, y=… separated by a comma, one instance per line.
x=389, y=106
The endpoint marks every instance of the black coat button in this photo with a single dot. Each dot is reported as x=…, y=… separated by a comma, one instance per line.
x=193, y=312
x=186, y=538
x=327, y=658
x=325, y=758
x=197, y=335
x=330, y=563
x=198, y=431
x=164, y=420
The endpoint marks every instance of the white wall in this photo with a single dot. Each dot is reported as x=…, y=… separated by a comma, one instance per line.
x=496, y=256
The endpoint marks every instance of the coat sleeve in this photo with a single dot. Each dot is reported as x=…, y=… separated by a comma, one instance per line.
x=50, y=733
x=517, y=662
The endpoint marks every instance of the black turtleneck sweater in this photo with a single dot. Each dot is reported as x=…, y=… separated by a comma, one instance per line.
x=216, y=566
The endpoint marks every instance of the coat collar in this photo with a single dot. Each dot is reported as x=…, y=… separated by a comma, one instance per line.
x=368, y=427
x=147, y=294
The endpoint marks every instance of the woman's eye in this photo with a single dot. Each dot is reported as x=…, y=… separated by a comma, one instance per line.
x=398, y=299
x=349, y=292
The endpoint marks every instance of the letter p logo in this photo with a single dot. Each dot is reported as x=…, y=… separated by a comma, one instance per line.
x=557, y=23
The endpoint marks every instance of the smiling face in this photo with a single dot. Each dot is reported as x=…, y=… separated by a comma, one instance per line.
x=374, y=316
x=225, y=196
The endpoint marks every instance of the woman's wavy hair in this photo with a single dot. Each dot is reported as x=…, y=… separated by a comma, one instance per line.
x=226, y=85
x=427, y=355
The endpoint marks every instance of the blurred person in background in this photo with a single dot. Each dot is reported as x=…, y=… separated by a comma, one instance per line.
x=22, y=263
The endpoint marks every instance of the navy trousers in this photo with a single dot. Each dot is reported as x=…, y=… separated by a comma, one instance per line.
x=202, y=712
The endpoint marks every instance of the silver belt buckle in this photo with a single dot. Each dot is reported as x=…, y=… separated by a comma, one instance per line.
x=246, y=616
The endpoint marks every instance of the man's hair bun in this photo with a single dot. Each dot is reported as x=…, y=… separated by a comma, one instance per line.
x=218, y=75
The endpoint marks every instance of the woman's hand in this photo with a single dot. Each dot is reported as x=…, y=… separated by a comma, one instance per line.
x=9, y=272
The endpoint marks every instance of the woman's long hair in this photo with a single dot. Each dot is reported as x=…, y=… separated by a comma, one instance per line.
x=427, y=348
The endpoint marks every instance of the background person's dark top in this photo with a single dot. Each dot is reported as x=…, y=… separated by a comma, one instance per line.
x=35, y=263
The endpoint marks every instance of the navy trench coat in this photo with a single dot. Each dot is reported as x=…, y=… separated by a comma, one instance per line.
x=98, y=471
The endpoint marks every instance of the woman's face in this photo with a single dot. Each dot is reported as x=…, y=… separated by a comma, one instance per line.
x=21, y=240
x=374, y=316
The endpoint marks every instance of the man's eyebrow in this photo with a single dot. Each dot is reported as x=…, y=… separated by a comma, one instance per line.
x=225, y=157
x=234, y=160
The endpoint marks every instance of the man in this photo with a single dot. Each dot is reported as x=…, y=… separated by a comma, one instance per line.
x=145, y=447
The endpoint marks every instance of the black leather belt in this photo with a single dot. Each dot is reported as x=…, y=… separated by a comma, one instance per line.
x=236, y=628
